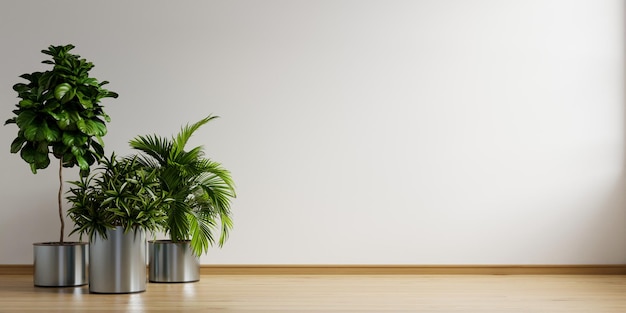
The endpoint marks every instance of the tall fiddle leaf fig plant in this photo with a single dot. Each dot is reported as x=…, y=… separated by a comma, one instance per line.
x=59, y=114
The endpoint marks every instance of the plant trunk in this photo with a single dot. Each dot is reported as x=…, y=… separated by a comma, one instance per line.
x=59, y=199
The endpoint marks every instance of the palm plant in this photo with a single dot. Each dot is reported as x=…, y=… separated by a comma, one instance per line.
x=198, y=189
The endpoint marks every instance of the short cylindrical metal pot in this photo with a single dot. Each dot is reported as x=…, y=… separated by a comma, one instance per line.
x=117, y=264
x=60, y=264
x=172, y=262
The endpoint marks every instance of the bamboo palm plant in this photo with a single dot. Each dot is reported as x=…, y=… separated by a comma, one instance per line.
x=120, y=192
x=199, y=190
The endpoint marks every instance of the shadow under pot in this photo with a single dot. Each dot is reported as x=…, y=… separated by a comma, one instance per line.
x=117, y=264
x=172, y=262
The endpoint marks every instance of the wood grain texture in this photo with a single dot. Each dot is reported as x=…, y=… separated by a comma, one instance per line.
x=384, y=269
x=336, y=293
x=413, y=269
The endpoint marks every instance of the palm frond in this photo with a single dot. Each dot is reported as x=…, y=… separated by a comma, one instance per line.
x=187, y=131
x=154, y=146
x=213, y=174
x=177, y=221
x=201, y=230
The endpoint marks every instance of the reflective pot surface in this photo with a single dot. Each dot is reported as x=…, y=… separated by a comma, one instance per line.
x=172, y=262
x=60, y=265
x=117, y=264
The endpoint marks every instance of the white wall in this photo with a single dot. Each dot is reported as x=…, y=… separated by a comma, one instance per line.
x=358, y=132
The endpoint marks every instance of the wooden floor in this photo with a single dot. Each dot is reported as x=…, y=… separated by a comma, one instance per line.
x=336, y=293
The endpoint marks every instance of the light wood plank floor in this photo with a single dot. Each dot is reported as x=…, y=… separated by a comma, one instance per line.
x=297, y=293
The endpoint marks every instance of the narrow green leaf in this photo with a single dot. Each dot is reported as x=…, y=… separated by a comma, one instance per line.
x=33, y=168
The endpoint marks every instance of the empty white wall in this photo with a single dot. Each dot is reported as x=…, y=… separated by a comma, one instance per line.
x=358, y=132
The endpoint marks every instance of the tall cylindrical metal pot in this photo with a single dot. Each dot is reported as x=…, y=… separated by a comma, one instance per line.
x=117, y=264
x=60, y=264
x=172, y=262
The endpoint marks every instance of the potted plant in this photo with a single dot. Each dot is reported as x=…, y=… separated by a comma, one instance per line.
x=60, y=115
x=199, y=192
x=115, y=206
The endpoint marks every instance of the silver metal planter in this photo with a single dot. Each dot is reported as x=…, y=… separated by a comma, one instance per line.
x=118, y=264
x=172, y=262
x=60, y=265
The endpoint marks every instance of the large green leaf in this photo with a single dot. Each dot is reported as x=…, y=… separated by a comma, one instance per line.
x=32, y=132
x=84, y=100
x=17, y=144
x=82, y=163
x=28, y=153
x=69, y=160
x=59, y=149
x=90, y=81
x=89, y=158
x=79, y=155
x=73, y=115
x=62, y=116
x=50, y=134
x=45, y=79
x=25, y=119
x=61, y=91
x=41, y=158
x=51, y=104
x=74, y=139
x=98, y=148
x=92, y=127
x=64, y=92
x=26, y=104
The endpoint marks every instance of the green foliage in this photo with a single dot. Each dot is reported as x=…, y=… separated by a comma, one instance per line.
x=121, y=192
x=60, y=113
x=200, y=190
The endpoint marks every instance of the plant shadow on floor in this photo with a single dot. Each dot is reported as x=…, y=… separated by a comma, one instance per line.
x=79, y=290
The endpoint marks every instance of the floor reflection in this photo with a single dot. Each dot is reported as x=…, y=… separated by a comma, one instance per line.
x=189, y=290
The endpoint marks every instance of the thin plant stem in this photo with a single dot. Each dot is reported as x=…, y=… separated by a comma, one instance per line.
x=59, y=199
